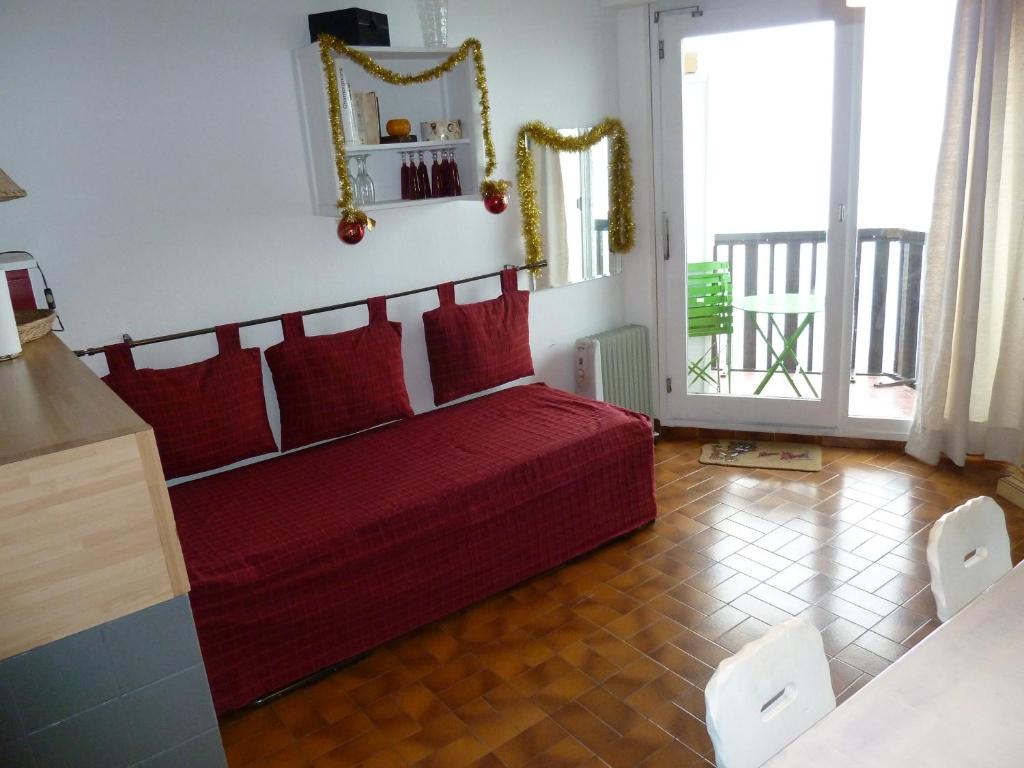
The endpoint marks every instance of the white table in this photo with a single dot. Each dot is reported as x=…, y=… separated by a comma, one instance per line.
x=956, y=699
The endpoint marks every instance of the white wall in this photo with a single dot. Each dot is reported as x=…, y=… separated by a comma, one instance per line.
x=161, y=147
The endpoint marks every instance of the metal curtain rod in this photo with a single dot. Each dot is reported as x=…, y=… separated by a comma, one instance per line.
x=695, y=11
x=275, y=318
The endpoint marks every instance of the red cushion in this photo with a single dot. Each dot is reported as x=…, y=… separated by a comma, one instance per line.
x=472, y=347
x=333, y=385
x=204, y=415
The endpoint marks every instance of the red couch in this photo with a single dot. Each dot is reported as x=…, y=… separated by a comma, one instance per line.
x=302, y=561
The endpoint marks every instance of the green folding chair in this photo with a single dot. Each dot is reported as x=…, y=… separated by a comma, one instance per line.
x=708, y=313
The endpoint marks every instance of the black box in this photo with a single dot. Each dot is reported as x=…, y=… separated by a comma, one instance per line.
x=354, y=26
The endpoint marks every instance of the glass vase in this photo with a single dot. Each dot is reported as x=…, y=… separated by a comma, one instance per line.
x=434, y=22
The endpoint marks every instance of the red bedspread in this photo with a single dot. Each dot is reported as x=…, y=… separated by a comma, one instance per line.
x=303, y=561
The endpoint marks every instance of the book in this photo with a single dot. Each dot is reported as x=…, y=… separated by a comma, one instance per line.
x=367, y=116
x=349, y=126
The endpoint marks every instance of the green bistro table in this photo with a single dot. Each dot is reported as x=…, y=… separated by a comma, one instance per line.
x=772, y=304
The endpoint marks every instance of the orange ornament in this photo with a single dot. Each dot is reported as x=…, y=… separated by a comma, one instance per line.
x=398, y=127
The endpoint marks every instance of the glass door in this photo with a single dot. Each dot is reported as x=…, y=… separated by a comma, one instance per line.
x=902, y=111
x=757, y=103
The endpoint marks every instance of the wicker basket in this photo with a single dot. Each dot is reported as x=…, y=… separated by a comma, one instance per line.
x=33, y=323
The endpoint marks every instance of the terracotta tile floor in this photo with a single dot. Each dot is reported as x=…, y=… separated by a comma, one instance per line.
x=603, y=662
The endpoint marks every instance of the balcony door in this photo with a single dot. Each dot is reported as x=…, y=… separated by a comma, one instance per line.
x=757, y=121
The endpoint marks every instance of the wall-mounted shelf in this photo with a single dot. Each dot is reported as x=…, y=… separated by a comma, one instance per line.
x=407, y=146
x=386, y=205
x=452, y=96
x=381, y=52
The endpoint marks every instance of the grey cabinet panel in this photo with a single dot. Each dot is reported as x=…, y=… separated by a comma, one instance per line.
x=17, y=754
x=129, y=692
x=169, y=712
x=151, y=644
x=11, y=727
x=204, y=751
x=60, y=679
x=96, y=738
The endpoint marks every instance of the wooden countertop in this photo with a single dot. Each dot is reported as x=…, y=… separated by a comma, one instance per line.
x=87, y=534
x=51, y=401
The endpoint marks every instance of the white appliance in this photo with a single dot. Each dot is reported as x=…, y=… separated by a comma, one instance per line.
x=615, y=367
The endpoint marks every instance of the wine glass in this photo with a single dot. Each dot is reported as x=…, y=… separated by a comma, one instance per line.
x=349, y=159
x=406, y=174
x=437, y=185
x=454, y=183
x=446, y=174
x=365, y=194
x=423, y=177
x=415, y=190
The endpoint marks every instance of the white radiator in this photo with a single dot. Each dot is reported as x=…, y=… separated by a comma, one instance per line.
x=615, y=366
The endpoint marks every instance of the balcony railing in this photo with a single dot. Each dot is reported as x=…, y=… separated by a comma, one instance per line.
x=887, y=290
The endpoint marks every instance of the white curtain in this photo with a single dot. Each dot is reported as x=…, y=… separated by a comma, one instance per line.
x=971, y=382
x=551, y=201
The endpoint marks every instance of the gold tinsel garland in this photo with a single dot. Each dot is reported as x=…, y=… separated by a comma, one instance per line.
x=329, y=43
x=620, y=178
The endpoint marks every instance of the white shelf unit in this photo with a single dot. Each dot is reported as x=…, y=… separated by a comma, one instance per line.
x=407, y=146
x=386, y=205
x=453, y=96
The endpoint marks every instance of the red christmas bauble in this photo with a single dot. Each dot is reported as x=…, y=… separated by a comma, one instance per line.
x=351, y=232
x=496, y=203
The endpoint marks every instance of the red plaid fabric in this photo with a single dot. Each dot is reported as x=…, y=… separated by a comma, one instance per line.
x=204, y=415
x=19, y=283
x=305, y=560
x=333, y=385
x=473, y=347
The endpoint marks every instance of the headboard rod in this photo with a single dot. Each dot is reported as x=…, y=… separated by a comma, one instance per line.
x=275, y=318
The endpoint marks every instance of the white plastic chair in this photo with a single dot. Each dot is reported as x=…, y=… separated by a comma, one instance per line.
x=968, y=551
x=769, y=693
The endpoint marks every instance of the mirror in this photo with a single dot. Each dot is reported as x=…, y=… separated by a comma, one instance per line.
x=573, y=203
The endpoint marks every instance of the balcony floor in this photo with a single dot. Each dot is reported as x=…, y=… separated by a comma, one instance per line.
x=865, y=398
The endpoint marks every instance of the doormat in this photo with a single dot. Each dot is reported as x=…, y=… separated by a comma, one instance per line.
x=762, y=454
